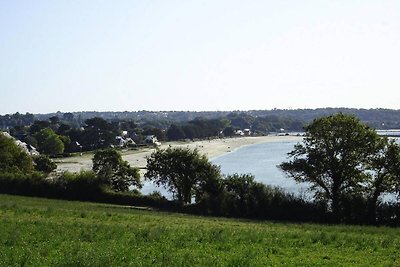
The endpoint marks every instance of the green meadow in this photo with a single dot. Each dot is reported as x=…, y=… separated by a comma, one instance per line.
x=44, y=232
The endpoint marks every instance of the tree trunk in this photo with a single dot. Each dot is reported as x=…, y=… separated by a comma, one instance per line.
x=336, y=203
x=335, y=209
x=372, y=205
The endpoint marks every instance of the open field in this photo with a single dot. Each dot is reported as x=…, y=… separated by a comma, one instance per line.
x=211, y=148
x=41, y=232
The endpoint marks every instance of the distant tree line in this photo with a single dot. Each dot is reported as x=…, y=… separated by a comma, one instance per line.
x=66, y=134
x=184, y=125
x=376, y=118
x=77, y=132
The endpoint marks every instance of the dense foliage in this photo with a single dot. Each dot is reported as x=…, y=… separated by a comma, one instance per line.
x=48, y=142
x=12, y=158
x=44, y=164
x=115, y=172
x=345, y=161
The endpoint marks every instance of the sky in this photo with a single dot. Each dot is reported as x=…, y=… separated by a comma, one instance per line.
x=124, y=55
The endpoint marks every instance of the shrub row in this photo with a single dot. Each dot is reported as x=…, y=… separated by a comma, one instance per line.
x=82, y=186
x=255, y=201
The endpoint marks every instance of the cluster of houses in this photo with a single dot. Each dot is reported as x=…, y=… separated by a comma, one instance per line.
x=126, y=140
x=123, y=140
x=244, y=132
x=248, y=132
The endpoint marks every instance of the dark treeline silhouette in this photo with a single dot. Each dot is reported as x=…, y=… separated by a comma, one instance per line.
x=376, y=118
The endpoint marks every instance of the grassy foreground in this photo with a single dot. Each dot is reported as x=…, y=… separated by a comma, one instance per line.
x=42, y=232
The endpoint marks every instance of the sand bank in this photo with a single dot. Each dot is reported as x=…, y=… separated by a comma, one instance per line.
x=211, y=148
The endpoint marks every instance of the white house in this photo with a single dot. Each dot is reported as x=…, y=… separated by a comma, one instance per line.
x=150, y=139
x=247, y=132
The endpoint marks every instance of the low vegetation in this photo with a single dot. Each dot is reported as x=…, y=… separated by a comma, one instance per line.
x=42, y=232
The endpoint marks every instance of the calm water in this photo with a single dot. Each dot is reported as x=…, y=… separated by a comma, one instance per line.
x=261, y=160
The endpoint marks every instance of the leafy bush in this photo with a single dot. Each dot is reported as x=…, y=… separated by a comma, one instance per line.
x=30, y=184
x=84, y=185
x=44, y=164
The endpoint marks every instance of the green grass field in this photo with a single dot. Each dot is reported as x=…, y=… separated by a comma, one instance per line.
x=42, y=232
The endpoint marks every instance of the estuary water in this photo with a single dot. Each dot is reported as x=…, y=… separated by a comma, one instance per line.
x=261, y=161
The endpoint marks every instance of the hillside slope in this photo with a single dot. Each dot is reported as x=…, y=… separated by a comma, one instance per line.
x=42, y=232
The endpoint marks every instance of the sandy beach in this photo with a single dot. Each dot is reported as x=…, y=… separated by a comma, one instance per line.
x=211, y=148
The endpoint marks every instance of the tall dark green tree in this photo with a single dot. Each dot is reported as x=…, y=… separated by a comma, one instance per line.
x=180, y=171
x=49, y=142
x=115, y=172
x=175, y=132
x=37, y=126
x=98, y=133
x=333, y=158
x=384, y=174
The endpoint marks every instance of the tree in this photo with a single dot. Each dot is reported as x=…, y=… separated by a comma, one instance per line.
x=180, y=171
x=37, y=126
x=384, y=176
x=333, y=157
x=175, y=132
x=229, y=131
x=68, y=116
x=98, y=133
x=209, y=191
x=191, y=131
x=63, y=129
x=44, y=164
x=12, y=158
x=54, y=120
x=49, y=142
x=239, y=188
x=115, y=172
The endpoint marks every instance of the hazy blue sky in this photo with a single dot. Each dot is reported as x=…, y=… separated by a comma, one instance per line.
x=198, y=55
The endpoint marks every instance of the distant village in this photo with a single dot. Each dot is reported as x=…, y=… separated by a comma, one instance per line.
x=64, y=133
x=124, y=140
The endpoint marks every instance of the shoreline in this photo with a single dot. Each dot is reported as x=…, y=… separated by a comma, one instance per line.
x=211, y=148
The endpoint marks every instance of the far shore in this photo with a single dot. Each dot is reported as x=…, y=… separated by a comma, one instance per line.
x=211, y=148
